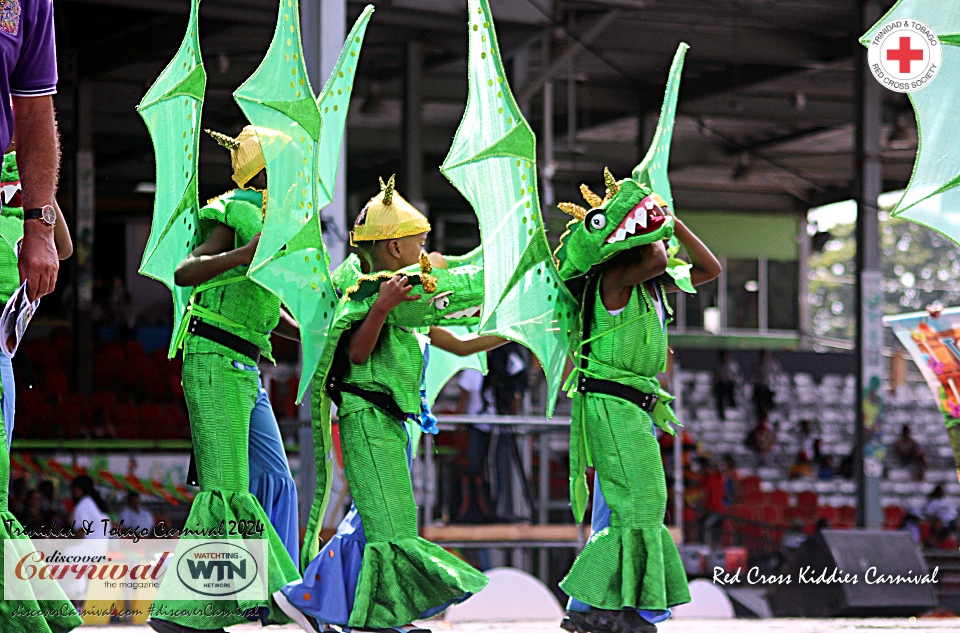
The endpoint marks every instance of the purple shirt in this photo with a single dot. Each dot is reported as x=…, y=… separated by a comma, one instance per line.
x=28, y=56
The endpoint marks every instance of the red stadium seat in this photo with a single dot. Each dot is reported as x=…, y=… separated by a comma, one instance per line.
x=807, y=500
x=749, y=484
x=893, y=517
x=780, y=498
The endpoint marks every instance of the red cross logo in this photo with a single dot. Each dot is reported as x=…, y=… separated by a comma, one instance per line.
x=905, y=55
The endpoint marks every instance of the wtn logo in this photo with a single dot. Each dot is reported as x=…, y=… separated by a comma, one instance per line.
x=224, y=569
x=218, y=569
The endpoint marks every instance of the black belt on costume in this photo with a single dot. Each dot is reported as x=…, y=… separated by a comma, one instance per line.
x=378, y=399
x=227, y=339
x=646, y=401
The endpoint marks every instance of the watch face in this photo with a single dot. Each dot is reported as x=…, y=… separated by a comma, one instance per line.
x=48, y=215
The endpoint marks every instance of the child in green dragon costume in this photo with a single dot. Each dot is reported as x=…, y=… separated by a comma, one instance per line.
x=227, y=328
x=629, y=574
x=47, y=610
x=399, y=576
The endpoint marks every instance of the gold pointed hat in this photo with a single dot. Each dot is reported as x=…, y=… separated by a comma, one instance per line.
x=387, y=216
x=245, y=153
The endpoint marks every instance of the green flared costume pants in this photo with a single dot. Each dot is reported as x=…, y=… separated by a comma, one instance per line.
x=633, y=563
x=402, y=575
x=220, y=398
x=51, y=613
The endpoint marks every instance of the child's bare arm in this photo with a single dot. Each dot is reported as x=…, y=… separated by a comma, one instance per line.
x=287, y=327
x=61, y=235
x=705, y=265
x=214, y=257
x=620, y=278
x=463, y=345
x=392, y=293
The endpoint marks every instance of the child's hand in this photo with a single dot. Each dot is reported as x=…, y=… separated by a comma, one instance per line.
x=393, y=292
x=250, y=248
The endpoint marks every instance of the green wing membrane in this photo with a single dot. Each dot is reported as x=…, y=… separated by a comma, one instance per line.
x=171, y=110
x=492, y=162
x=932, y=198
x=301, y=159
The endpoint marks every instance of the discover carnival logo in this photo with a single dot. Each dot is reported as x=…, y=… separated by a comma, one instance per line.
x=905, y=55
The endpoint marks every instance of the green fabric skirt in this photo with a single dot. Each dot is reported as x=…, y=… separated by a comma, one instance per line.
x=220, y=398
x=634, y=562
x=402, y=575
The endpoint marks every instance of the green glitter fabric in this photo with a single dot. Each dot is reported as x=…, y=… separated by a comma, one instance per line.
x=634, y=563
x=220, y=427
x=11, y=229
x=245, y=303
x=402, y=575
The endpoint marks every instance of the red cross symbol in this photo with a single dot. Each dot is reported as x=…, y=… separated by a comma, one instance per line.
x=905, y=55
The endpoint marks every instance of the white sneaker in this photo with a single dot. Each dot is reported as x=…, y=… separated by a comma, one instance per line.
x=295, y=614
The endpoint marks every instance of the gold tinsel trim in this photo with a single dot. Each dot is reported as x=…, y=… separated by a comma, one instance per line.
x=611, y=183
x=573, y=209
x=388, y=189
x=429, y=283
x=386, y=274
x=223, y=140
x=592, y=199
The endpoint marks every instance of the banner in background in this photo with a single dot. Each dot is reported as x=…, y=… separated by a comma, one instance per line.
x=933, y=344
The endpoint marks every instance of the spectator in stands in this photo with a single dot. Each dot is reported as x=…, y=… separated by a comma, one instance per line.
x=507, y=381
x=765, y=377
x=475, y=505
x=50, y=506
x=809, y=443
x=18, y=496
x=909, y=452
x=134, y=515
x=826, y=471
x=802, y=468
x=761, y=438
x=939, y=536
x=731, y=481
x=726, y=380
x=89, y=509
x=32, y=517
x=714, y=490
x=911, y=524
x=939, y=507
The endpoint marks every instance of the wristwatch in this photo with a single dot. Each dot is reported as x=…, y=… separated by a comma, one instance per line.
x=45, y=214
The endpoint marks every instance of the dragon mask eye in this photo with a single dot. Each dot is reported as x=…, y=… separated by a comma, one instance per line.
x=595, y=220
x=442, y=300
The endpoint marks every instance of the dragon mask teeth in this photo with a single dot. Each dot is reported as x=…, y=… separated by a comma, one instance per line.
x=645, y=218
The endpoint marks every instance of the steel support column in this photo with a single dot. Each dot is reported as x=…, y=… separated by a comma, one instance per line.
x=412, y=176
x=869, y=296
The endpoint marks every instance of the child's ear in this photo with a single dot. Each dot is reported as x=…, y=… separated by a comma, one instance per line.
x=394, y=248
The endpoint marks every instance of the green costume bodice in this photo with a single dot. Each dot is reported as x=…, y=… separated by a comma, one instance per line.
x=9, y=273
x=394, y=367
x=632, y=344
x=244, y=308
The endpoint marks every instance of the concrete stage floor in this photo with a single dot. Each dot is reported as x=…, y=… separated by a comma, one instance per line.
x=776, y=625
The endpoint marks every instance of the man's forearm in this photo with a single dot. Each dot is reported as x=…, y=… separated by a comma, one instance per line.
x=38, y=149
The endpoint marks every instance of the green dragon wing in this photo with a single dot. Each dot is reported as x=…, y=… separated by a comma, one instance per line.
x=652, y=170
x=171, y=110
x=932, y=197
x=291, y=259
x=492, y=162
